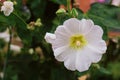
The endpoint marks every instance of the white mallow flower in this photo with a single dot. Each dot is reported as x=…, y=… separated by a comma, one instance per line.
x=7, y=8
x=78, y=43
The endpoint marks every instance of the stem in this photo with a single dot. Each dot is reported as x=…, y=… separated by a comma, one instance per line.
x=68, y=5
x=19, y=18
x=7, y=55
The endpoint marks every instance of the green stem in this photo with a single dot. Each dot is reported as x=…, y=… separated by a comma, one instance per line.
x=68, y=5
x=19, y=18
x=7, y=55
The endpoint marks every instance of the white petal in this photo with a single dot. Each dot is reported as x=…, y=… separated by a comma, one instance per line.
x=94, y=34
x=62, y=37
x=5, y=36
x=98, y=46
x=93, y=56
x=82, y=61
x=6, y=13
x=59, y=43
x=59, y=50
x=6, y=3
x=2, y=8
x=63, y=31
x=70, y=61
x=50, y=37
x=94, y=39
x=15, y=48
x=63, y=54
x=73, y=25
x=86, y=26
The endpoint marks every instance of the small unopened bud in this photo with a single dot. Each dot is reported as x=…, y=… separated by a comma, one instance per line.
x=74, y=12
x=38, y=22
x=31, y=26
x=61, y=11
x=14, y=2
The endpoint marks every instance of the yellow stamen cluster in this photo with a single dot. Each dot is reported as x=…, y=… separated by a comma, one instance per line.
x=77, y=41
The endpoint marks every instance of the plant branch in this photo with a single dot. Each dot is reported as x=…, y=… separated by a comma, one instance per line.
x=68, y=5
x=7, y=55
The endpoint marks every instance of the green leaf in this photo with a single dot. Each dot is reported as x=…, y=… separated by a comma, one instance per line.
x=38, y=7
x=60, y=1
x=6, y=21
x=22, y=30
x=115, y=70
x=62, y=74
x=108, y=15
x=2, y=18
x=15, y=77
x=104, y=71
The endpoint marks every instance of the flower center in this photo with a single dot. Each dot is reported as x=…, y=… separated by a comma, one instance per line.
x=77, y=41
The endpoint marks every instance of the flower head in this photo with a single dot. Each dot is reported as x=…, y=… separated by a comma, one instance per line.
x=7, y=8
x=78, y=43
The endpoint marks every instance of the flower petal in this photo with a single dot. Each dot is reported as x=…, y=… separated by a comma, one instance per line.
x=73, y=25
x=70, y=61
x=95, y=34
x=60, y=50
x=63, y=53
x=63, y=31
x=86, y=26
x=82, y=62
x=62, y=37
x=6, y=13
x=99, y=47
x=93, y=56
x=15, y=48
x=50, y=37
x=5, y=36
x=94, y=38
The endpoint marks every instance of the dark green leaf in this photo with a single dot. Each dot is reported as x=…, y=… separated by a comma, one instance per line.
x=108, y=15
x=60, y=1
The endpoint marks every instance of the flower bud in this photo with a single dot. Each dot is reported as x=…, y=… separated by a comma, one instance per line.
x=74, y=12
x=60, y=11
x=31, y=26
x=15, y=2
x=38, y=22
